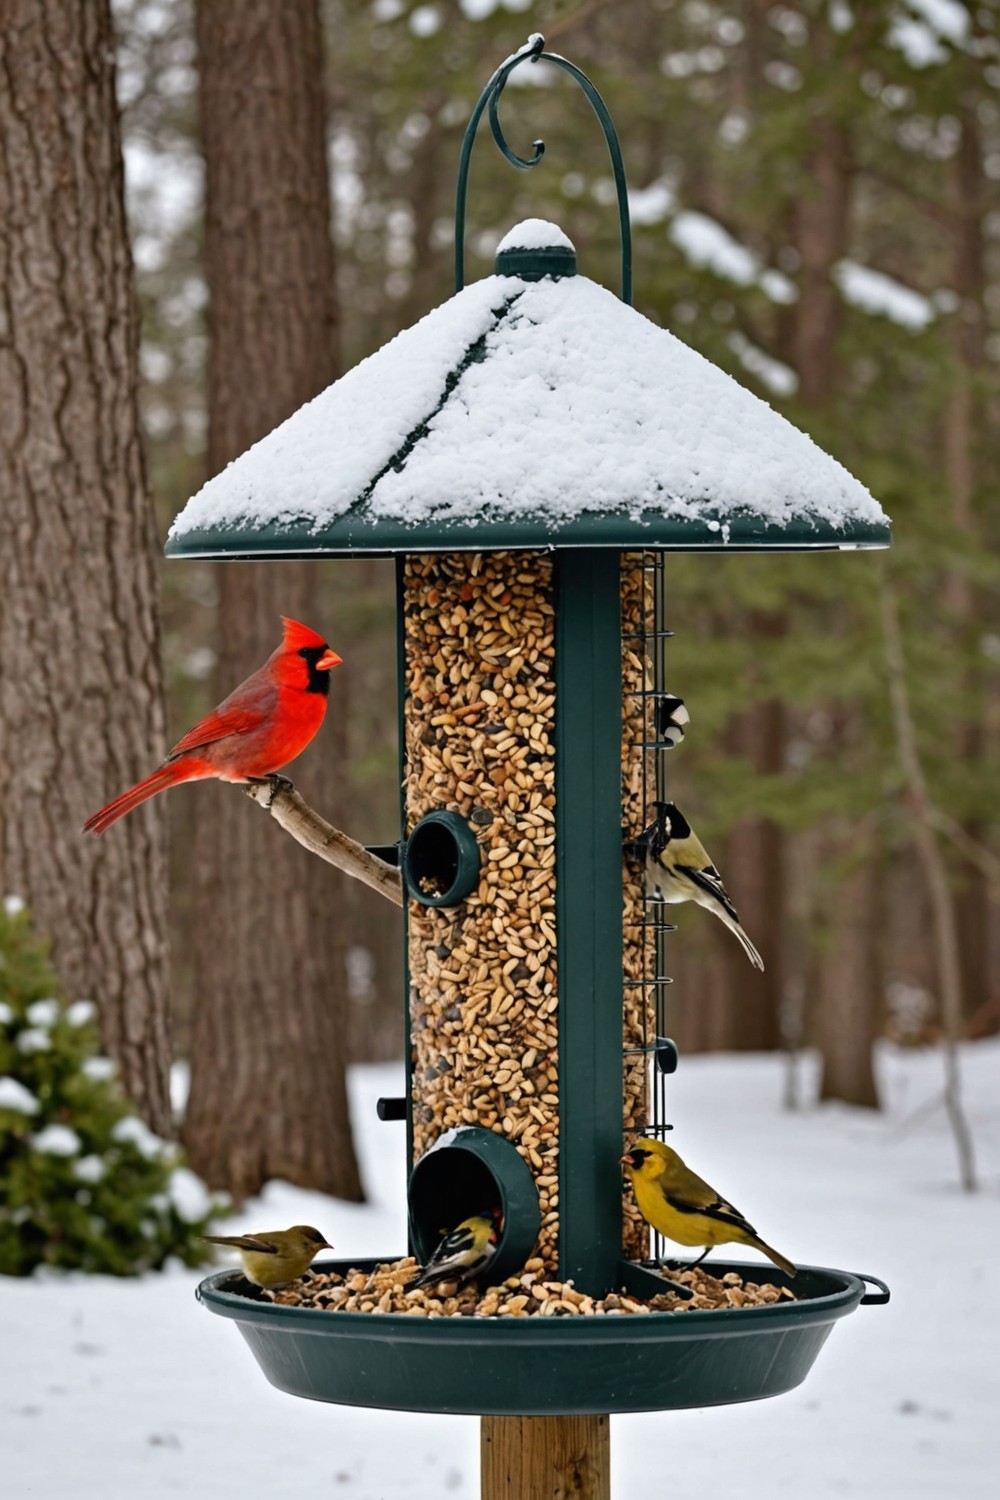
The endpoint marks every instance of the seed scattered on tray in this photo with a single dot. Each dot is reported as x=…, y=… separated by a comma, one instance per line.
x=532, y=1293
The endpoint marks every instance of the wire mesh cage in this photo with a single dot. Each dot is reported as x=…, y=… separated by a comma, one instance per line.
x=649, y=1054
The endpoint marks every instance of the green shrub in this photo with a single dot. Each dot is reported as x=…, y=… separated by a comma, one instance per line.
x=84, y=1184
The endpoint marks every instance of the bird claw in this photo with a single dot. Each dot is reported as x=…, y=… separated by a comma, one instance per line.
x=664, y=1265
x=275, y=782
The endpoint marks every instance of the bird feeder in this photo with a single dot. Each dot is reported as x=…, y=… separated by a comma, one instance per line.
x=529, y=453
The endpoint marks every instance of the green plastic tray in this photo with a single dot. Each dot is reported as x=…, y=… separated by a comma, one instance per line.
x=544, y=1366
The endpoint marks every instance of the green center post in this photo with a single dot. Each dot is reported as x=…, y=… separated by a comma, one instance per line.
x=589, y=913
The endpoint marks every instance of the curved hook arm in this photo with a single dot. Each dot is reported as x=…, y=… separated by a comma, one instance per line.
x=533, y=51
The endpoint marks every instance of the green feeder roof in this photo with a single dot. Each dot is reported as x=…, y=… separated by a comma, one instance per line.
x=533, y=409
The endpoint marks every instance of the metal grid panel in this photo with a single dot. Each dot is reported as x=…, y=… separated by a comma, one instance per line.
x=651, y=640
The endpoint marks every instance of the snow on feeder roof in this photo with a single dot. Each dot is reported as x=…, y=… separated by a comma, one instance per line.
x=532, y=409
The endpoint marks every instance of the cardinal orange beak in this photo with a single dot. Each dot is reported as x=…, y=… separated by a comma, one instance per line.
x=328, y=660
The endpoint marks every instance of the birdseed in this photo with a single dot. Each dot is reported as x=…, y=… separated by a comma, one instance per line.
x=531, y=1294
x=479, y=720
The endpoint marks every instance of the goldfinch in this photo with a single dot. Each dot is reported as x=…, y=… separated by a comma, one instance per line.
x=678, y=869
x=670, y=718
x=276, y=1258
x=464, y=1253
x=682, y=1207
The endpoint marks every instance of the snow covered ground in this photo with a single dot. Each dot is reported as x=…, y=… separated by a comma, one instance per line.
x=110, y=1389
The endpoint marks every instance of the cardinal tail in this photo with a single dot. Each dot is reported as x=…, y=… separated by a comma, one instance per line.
x=159, y=781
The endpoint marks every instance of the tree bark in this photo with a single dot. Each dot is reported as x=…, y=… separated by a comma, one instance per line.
x=850, y=988
x=963, y=420
x=268, y=1092
x=81, y=706
x=822, y=218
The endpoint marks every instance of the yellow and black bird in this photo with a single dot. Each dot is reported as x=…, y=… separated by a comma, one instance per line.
x=275, y=1258
x=678, y=869
x=682, y=1207
x=464, y=1253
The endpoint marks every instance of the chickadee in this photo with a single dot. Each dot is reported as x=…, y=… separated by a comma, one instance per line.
x=670, y=717
x=464, y=1253
x=679, y=869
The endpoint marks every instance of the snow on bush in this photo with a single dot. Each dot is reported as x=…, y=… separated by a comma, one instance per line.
x=84, y=1183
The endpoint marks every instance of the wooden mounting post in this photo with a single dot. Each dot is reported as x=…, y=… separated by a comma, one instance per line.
x=546, y=1458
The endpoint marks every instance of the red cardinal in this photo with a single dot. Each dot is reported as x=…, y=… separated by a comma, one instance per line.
x=265, y=723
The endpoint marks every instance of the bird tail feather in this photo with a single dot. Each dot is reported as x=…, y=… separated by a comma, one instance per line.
x=166, y=776
x=429, y=1275
x=781, y=1261
x=748, y=947
x=235, y=1241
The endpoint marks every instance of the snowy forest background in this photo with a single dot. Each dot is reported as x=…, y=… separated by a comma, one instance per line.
x=815, y=206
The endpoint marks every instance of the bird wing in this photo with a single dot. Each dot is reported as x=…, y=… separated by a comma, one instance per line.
x=457, y=1243
x=243, y=1242
x=709, y=880
x=653, y=839
x=718, y=1209
x=218, y=725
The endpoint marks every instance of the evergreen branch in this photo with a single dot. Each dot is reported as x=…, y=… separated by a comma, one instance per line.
x=296, y=817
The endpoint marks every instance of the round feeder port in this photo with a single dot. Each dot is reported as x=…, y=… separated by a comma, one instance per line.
x=441, y=860
x=471, y=1171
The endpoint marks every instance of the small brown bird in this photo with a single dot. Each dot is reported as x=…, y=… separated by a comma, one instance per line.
x=277, y=1257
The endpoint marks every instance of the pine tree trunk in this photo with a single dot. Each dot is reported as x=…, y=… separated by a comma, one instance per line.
x=849, y=995
x=963, y=424
x=268, y=1094
x=848, y=1003
x=822, y=221
x=81, y=708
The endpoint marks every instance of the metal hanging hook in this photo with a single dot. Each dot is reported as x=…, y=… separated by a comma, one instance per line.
x=534, y=51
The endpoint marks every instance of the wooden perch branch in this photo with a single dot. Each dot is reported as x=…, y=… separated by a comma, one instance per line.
x=296, y=817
